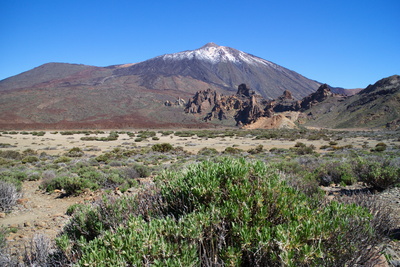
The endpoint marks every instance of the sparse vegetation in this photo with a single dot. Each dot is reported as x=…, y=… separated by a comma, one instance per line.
x=213, y=212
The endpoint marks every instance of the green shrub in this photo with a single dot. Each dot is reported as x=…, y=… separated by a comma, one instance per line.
x=103, y=158
x=379, y=175
x=303, y=149
x=228, y=212
x=379, y=147
x=333, y=143
x=14, y=177
x=30, y=159
x=207, y=151
x=232, y=150
x=164, y=147
x=256, y=150
x=75, y=152
x=62, y=159
x=10, y=154
x=336, y=172
x=72, y=185
x=88, y=222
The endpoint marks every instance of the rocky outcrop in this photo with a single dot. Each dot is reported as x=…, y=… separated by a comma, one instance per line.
x=202, y=101
x=179, y=102
x=320, y=95
x=285, y=102
x=245, y=107
x=250, y=112
x=243, y=90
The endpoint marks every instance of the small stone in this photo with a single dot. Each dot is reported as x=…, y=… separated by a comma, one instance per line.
x=40, y=224
x=2, y=215
x=27, y=224
x=22, y=201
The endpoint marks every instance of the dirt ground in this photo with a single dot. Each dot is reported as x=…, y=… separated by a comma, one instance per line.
x=57, y=144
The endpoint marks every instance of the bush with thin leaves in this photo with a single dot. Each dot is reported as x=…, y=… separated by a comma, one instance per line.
x=8, y=196
x=236, y=213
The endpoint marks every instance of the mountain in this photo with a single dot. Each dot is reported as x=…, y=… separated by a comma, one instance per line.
x=222, y=68
x=377, y=106
x=61, y=95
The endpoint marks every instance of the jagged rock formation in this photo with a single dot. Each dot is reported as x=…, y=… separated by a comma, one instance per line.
x=320, y=95
x=286, y=102
x=179, y=102
x=245, y=107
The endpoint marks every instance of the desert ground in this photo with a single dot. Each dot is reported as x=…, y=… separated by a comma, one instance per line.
x=57, y=144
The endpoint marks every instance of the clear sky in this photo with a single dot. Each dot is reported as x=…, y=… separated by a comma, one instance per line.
x=348, y=44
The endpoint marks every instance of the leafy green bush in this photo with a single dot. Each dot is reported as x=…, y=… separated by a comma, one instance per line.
x=164, y=147
x=232, y=150
x=62, y=159
x=379, y=147
x=72, y=185
x=14, y=177
x=10, y=154
x=30, y=159
x=336, y=172
x=303, y=149
x=378, y=174
x=256, y=150
x=75, y=152
x=207, y=151
x=230, y=212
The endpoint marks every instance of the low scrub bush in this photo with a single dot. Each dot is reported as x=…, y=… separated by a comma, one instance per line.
x=380, y=174
x=30, y=159
x=226, y=212
x=379, y=147
x=207, y=151
x=337, y=172
x=75, y=152
x=8, y=196
x=164, y=147
x=256, y=150
x=72, y=185
x=303, y=149
x=10, y=154
x=14, y=177
x=62, y=159
x=232, y=150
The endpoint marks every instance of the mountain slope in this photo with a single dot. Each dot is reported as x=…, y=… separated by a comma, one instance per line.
x=223, y=68
x=378, y=105
x=61, y=95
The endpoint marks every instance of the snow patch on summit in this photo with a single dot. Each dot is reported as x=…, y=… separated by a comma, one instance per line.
x=215, y=54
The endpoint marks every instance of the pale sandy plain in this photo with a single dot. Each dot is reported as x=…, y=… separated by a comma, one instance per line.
x=57, y=144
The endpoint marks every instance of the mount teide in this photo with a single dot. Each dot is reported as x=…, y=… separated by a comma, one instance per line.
x=222, y=68
x=60, y=95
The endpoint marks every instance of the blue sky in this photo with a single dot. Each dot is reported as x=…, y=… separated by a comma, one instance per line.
x=348, y=44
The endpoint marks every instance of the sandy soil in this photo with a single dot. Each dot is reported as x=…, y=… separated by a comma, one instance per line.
x=37, y=213
x=57, y=144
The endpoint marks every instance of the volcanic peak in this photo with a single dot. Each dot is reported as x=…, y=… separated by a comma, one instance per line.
x=215, y=54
